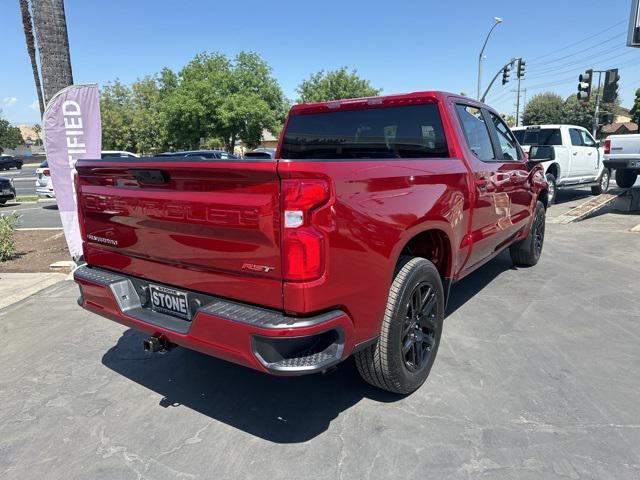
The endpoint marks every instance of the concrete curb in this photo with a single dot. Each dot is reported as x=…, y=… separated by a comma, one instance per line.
x=18, y=286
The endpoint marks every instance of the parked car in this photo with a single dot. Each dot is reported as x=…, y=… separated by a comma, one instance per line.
x=622, y=153
x=346, y=243
x=118, y=154
x=7, y=190
x=8, y=161
x=44, y=185
x=261, y=153
x=577, y=157
x=201, y=154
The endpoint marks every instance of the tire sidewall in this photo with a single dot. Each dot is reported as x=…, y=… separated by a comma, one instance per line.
x=553, y=187
x=422, y=271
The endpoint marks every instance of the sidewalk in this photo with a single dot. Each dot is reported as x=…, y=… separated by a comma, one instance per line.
x=17, y=286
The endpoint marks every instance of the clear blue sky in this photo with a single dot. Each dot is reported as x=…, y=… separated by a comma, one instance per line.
x=399, y=46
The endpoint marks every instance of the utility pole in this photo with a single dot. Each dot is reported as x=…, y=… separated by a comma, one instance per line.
x=597, y=111
x=519, y=74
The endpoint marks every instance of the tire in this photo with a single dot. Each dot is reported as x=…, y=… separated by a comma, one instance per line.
x=402, y=357
x=2, y=202
x=19, y=166
x=603, y=183
x=526, y=253
x=626, y=178
x=553, y=188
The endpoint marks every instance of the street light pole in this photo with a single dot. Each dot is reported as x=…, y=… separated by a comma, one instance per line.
x=497, y=20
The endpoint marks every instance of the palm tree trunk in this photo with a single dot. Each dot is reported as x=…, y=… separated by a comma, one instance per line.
x=53, y=45
x=31, y=50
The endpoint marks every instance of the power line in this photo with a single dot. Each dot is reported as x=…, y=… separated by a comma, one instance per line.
x=580, y=41
x=587, y=49
x=583, y=63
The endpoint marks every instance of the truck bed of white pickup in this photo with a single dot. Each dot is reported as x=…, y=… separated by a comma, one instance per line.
x=622, y=153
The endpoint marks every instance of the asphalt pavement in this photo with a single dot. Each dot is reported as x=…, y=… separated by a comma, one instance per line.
x=536, y=378
x=43, y=214
x=24, y=180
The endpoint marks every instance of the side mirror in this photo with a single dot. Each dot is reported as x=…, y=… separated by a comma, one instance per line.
x=598, y=144
x=541, y=153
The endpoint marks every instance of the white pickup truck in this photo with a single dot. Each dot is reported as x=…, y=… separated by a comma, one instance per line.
x=575, y=159
x=622, y=153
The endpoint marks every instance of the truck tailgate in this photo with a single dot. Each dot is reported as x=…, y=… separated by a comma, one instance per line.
x=623, y=146
x=205, y=225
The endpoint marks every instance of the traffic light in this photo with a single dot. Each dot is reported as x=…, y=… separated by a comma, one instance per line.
x=606, y=118
x=584, y=87
x=521, y=65
x=505, y=73
x=610, y=90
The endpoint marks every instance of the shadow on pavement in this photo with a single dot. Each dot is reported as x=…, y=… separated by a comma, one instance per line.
x=472, y=284
x=281, y=410
x=566, y=195
x=278, y=409
x=53, y=206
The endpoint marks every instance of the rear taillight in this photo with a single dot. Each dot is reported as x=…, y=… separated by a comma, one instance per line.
x=46, y=172
x=607, y=147
x=303, y=243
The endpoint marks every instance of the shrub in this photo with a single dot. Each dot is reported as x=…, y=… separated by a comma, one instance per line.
x=7, y=240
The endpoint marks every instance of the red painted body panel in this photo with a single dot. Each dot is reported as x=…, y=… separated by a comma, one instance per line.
x=214, y=225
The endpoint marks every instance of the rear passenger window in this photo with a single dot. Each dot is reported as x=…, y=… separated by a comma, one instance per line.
x=413, y=131
x=576, y=137
x=475, y=131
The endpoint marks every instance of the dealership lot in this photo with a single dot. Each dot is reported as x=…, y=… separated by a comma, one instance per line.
x=536, y=378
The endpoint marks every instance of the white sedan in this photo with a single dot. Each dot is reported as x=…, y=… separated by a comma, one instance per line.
x=44, y=187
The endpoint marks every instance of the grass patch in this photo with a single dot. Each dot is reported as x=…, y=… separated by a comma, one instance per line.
x=26, y=198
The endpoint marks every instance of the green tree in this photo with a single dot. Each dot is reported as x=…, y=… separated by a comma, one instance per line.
x=218, y=98
x=10, y=136
x=148, y=125
x=635, y=110
x=27, y=25
x=510, y=119
x=53, y=45
x=116, y=108
x=37, y=129
x=575, y=113
x=544, y=108
x=334, y=85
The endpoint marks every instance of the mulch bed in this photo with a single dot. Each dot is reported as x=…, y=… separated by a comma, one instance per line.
x=36, y=250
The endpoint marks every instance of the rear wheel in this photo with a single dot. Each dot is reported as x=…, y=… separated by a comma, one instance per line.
x=553, y=188
x=401, y=359
x=626, y=178
x=603, y=183
x=19, y=166
x=526, y=253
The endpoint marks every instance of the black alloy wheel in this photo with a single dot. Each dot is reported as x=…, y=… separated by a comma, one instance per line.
x=420, y=327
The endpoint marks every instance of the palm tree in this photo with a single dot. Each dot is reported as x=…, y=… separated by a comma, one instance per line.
x=53, y=45
x=31, y=49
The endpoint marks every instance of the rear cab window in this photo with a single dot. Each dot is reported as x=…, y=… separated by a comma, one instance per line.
x=539, y=136
x=413, y=131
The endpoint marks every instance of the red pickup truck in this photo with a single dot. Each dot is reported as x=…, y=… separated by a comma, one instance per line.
x=346, y=243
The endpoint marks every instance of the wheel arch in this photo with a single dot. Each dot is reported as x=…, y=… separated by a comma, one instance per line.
x=433, y=244
x=553, y=169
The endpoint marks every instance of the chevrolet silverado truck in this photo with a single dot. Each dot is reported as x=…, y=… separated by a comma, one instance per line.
x=622, y=154
x=346, y=243
x=575, y=160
